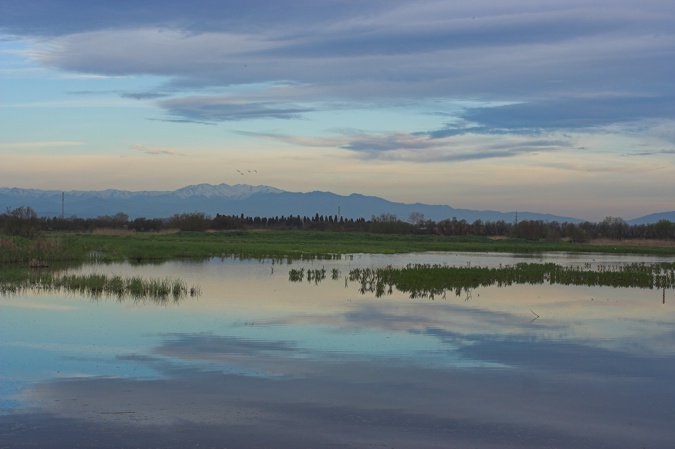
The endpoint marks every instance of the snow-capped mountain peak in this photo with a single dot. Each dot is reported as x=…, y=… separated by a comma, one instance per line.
x=238, y=191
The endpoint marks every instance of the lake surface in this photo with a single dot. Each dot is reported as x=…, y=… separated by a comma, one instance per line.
x=257, y=361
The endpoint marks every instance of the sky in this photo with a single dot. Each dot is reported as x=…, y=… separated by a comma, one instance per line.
x=563, y=107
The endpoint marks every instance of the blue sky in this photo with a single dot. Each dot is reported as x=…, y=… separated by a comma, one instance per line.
x=563, y=107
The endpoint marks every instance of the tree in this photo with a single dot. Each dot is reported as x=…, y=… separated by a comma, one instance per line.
x=145, y=225
x=117, y=221
x=416, y=218
x=385, y=218
x=388, y=223
x=577, y=233
x=663, y=228
x=22, y=221
x=614, y=228
x=530, y=229
x=194, y=221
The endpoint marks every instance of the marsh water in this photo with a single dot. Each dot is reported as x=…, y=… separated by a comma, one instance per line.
x=257, y=361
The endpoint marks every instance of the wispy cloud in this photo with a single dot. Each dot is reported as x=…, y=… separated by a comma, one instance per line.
x=427, y=147
x=143, y=95
x=132, y=95
x=652, y=153
x=573, y=113
x=182, y=120
x=208, y=108
x=154, y=150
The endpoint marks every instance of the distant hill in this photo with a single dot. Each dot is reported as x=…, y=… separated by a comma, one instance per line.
x=653, y=218
x=263, y=201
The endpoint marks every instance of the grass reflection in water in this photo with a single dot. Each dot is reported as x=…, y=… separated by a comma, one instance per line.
x=429, y=281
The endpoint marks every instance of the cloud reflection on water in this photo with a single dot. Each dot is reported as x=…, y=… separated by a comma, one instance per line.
x=351, y=402
x=270, y=364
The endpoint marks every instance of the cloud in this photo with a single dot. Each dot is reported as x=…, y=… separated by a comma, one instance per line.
x=431, y=146
x=154, y=150
x=210, y=109
x=143, y=95
x=378, y=50
x=197, y=122
x=224, y=59
x=652, y=153
x=572, y=113
x=132, y=95
x=44, y=18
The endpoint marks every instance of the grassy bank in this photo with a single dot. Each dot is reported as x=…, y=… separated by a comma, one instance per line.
x=299, y=244
x=52, y=248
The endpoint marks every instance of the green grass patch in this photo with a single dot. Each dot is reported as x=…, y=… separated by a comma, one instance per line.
x=41, y=251
x=430, y=281
x=308, y=245
x=96, y=285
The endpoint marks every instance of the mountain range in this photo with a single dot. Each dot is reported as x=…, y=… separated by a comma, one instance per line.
x=262, y=201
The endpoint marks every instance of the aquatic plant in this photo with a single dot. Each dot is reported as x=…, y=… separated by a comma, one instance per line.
x=295, y=275
x=317, y=275
x=97, y=285
x=429, y=281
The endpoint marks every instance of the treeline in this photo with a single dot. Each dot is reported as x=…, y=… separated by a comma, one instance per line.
x=24, y=221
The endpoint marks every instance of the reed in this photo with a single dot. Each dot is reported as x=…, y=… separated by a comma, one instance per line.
x=424, y=280
x=97, y=285
x=40, y=252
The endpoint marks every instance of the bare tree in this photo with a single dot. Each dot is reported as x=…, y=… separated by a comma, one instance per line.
x=22, y=221
x=416, y=218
